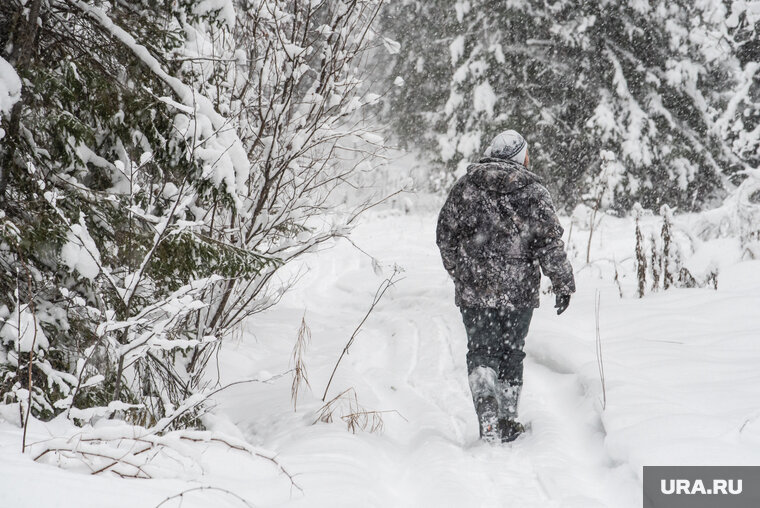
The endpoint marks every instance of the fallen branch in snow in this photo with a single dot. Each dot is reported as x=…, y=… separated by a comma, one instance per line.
x=384, y=286
x=137, y=452
x=203, y=488
x=130, y=451
x=748, y=421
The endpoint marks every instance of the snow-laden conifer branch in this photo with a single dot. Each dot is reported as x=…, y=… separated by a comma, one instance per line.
x=176, y=158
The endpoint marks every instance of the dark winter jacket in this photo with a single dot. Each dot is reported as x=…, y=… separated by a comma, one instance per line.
x=495, y=229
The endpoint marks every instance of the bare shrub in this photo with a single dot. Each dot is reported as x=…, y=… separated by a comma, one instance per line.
x=669, y=252
x=641, y=257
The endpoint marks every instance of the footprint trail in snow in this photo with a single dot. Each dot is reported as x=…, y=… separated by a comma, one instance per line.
x=410, y=358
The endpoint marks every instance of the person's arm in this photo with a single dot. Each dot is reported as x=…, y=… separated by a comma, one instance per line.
x=447, y=234
x=547, y=244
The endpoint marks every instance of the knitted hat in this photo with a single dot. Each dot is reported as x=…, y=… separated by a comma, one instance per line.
x=508, y=145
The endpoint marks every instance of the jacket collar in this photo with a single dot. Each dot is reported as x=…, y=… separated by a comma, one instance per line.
x=500, y=175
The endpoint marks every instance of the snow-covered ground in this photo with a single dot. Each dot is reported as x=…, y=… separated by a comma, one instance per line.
x=681, y=378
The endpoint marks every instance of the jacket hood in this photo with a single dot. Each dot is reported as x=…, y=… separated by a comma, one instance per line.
x=500, y=175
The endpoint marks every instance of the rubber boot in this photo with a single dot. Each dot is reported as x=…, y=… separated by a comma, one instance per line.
x=509, y=429
x=488, y=419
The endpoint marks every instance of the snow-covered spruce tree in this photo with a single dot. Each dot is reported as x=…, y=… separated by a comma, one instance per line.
x=739, y=121
x=646, y=80
x=155, y=176
x=104, y=192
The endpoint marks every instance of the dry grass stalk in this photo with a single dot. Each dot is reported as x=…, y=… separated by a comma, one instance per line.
x=356, y=417
x=599, y=357
x=617, y=278
x=299, y=366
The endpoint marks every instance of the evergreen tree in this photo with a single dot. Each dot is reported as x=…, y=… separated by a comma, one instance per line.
x=101, y=188
x=739, y=120
x=646, y=80
x=159, y=162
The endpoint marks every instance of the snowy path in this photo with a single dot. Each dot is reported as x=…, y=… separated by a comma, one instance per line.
x=410, y=357
x=681, y=377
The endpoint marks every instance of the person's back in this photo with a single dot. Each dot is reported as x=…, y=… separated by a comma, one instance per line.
x=497, y=227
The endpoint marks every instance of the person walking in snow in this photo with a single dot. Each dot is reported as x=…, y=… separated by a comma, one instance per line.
x=497, y=226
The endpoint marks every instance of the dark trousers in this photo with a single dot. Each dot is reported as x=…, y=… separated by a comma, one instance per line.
x=495, y=341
